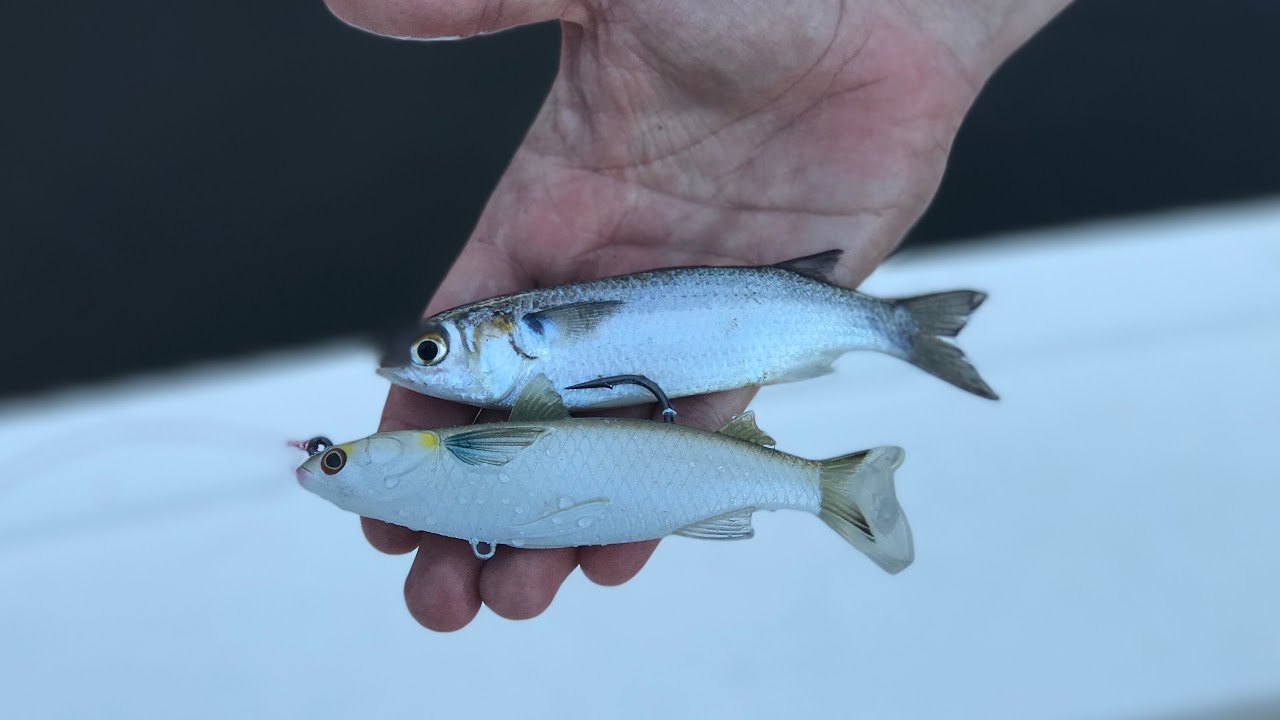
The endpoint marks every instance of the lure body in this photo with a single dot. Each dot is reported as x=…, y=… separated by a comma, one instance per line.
x=547, y=480
x=691, y=330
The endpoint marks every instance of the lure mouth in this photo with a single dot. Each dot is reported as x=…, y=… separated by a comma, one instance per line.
x=305, y=477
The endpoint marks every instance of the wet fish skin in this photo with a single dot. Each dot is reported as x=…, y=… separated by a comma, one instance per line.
x=692, y=330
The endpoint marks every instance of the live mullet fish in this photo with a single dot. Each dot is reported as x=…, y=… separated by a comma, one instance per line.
x=691, y=330
x=545, y=480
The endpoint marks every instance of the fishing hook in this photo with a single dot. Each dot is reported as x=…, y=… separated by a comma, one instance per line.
x=668, y=412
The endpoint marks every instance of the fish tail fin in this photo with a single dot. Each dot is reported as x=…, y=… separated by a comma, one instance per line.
x=858, y=501
x=938, y=316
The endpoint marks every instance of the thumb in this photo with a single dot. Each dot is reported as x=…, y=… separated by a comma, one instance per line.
x=443, y=18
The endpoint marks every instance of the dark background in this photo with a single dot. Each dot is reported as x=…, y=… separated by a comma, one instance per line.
x=181, y=181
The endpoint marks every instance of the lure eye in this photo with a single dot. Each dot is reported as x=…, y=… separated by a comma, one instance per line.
x=333, y=461
x=429, y=350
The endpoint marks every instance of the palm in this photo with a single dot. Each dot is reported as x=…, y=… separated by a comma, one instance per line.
x=684, y=132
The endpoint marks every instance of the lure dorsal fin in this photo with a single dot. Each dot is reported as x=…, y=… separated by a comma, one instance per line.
x=538, y=400
x=734, y=525
x=820, y=267
x=573, y=320
x=743, y=427
x=494, y=445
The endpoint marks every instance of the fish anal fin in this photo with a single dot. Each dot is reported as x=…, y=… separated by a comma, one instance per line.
x=734, y=525
x=538, y=400
x=822, y=365
x=574, y=319
x=495, y=445
x=820, y=267
x=743, y=427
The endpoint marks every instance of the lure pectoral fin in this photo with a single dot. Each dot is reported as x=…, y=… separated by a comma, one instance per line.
x=494, y=446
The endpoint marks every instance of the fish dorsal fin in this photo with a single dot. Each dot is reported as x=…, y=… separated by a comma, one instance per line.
x=573, y=320
x=820, y=267
x=494, y=445
x=743, y=427
x=734, y=525
x=538, y=400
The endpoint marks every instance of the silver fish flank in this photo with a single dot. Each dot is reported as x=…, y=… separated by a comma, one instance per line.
x=692, y=330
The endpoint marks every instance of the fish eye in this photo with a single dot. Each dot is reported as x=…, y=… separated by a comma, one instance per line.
x=429, y=349
x=333, y=461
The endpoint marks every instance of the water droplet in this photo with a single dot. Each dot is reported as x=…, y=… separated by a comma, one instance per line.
x=519, y=510
x=557, y=520
x=548, y=453
x=721, y=468
x=518, y=542
x=506, y=501
x=391, y=481
x=566, y=503
x=479, y=501
x=693, y=464
x=584, y=522
x=463, y=500
x=404, y=512
x=503, y=477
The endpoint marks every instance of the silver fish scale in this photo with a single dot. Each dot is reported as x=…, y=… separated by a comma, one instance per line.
x=699, y=330
x=602, y=482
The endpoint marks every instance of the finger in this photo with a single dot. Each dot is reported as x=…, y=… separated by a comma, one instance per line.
x=442, y=18
x=408, y=410
x=520, y=584
x=388, y=538
x=614, y=564
x=711, y=412
x=442, y=589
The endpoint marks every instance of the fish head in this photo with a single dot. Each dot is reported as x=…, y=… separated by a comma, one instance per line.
x=372, y=475
x=471, y=362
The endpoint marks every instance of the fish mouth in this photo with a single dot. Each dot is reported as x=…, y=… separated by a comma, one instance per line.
x=398, y=376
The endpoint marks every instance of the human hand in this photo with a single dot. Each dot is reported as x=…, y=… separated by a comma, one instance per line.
x=684, y=132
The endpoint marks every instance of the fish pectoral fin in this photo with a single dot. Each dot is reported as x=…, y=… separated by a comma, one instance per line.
x=495, y=445
x=573, y=320
x=820, y=267
x=538, y=400
x=743, y=427
x=734, y=525
x=565, y=520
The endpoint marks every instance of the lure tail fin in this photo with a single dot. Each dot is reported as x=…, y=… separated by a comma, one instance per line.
x=938, y=316
x=858, y=501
